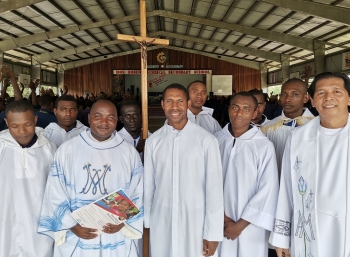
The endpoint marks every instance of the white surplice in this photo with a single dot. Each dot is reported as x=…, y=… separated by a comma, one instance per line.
x=183, y=191
x=59, y=135
x=278, y=132
x=23, y=176
x=128, y=138
x=313, y=208
x=250, y=190
x=83, y=171
x=205, y=119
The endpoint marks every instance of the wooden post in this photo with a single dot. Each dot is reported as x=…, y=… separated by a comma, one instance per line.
x=144, y=41
x=144, y=85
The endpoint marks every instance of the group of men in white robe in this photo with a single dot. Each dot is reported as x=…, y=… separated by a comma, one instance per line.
x=200, y=194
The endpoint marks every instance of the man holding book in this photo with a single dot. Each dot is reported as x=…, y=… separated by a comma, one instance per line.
x=86, y=168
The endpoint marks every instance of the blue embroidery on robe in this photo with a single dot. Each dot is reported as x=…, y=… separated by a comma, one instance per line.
x=100, y=246
x=54, y=223
x=94, y=180
x=56, y=171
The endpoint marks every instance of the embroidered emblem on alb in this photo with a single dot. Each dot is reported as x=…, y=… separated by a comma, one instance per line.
x=309, y=200
x=95, y=179
x=310, y=255
x=303, y=224
x=296, y=164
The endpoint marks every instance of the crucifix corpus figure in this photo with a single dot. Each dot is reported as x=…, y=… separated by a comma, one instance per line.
x=144, y=46
x=144, y=42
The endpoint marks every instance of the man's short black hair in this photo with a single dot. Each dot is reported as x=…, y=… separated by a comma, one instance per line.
x=45, y=100
x=196, y=81
x=18, y=107
x=258, y=92
x=327, y=75
x=129, y=103
x=245, y=94
x=179, y=87
x=66, y=98
x=296, y=80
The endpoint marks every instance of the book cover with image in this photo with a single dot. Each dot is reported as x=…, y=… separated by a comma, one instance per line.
x=114, y=208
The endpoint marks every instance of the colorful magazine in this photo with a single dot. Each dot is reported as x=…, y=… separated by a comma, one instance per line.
x=114, y=208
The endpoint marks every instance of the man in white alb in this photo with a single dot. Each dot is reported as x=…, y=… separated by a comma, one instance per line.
x=183, y=195
x=67, y=126
x=293, y=97
x=130, y=116
x=250, y=181
x=260, y=119
x=197, y=113
x=87, y=167
x=26, y=156
x=312, y=217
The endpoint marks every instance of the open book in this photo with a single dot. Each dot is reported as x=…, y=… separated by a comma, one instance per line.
x=114, y=208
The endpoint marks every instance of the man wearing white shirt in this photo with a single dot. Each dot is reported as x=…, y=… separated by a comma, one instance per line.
x=293, y=97
x=130, y=116
x=86, y=168
x=67, y=126
x=260, y=119
x=26, y=156
x=197, y=113
x=250, y=181
x=312, y=217
x=183, y=184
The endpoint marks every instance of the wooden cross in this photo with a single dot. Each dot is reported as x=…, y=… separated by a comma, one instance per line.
x=144, y=42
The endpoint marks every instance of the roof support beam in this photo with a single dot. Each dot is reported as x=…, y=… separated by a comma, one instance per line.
x=246, y=63
x=13, y=5
x=303, y=43
x=14, y=43
x=250, y=51
x=49, y=56
x=325, y=11
x=71, y=65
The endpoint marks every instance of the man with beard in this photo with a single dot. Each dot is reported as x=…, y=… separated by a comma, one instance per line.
x=197, y=113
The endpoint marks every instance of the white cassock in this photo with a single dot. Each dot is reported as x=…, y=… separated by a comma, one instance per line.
x=133, y=141
x=183, y=191
x=313, y=208
x=205, y=119
x=279, y=129
x=250, y=190
x=23, y=176
x=59, y=135
x=83, y=171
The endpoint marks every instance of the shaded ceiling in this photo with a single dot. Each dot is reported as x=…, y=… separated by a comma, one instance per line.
x=75, y=32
